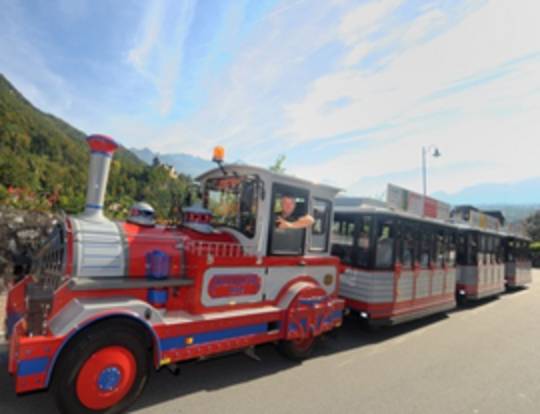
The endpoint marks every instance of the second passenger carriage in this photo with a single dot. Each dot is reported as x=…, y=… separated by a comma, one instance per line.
x=517, y=261
x=397, y=266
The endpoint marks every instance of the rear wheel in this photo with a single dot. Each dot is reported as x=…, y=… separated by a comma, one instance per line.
x=297, y=349
x=103, y=370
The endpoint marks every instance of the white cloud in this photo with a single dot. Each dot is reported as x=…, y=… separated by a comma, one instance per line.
x=244, y=103
x=364, y=19
x=148, y=36
x=159, y=50
x=275, y=95
x=489, y=114
x=425, y=24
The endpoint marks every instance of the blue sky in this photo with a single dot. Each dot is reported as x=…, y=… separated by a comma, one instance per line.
x=349, y=90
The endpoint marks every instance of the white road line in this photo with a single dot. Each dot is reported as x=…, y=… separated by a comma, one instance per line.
x=346, y=362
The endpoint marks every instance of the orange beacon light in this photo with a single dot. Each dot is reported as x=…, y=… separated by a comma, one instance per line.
x=219, y=154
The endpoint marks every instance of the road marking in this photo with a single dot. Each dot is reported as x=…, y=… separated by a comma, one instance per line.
x=346, y=362
x=419, y=331
x=523, y=396
x=398, y=340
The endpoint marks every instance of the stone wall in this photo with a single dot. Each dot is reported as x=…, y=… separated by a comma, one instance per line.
x=21, y=234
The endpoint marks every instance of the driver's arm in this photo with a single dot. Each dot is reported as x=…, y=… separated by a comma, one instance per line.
x=302, y=223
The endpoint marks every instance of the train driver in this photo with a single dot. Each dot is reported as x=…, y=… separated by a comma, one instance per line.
x=290, y=218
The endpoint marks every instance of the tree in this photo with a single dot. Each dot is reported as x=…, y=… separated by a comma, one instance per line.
x=278, y=167
x=48, y=159
x=532, y=225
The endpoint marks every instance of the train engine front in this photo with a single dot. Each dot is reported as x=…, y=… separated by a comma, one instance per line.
x=89, y=257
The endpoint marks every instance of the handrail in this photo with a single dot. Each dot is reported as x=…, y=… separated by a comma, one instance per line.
x=218, y=249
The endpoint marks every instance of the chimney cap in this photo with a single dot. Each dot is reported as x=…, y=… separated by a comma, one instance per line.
x=102, y=143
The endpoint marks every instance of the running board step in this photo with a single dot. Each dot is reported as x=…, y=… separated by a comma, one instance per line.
x=114, y=283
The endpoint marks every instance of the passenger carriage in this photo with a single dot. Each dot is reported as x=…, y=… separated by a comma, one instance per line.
x=108, y=301
x=397, y=266
x=517, y=260
x=480, y=265
x=480, y=261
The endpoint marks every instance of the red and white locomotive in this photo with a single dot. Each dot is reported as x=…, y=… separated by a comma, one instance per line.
x=108, y=301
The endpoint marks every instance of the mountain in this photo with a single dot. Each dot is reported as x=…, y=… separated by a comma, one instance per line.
x=182, y=163
x=44, y=163
x=515, y=193
x=513, y=213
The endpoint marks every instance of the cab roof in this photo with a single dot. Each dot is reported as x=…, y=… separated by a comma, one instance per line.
x=265, y=174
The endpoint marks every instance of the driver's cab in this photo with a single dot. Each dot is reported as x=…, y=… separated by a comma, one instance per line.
x=250, y=202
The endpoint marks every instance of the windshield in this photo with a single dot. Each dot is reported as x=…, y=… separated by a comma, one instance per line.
x=233, y=202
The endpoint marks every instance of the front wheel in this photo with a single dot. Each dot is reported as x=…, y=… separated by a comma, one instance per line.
x=297, y=349
x=104, y=370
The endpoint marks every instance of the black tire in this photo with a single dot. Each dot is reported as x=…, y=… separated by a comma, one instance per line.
x=297, y=350
x=120, y=333
x=462, y=301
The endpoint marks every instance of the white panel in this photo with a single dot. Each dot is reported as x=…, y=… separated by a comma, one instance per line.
x=372, y=287
x=278, y=277
x=422, y=284
x=437, y=285
x=99, y=250
x=451, y=280
x=207, y=300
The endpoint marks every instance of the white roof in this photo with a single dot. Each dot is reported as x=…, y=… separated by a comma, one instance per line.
x=371, y=206
x=242, y=169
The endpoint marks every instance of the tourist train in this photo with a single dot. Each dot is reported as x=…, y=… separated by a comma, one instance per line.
x=261, y=258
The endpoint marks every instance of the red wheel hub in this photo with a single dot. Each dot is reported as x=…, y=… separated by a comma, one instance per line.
x=106, y=377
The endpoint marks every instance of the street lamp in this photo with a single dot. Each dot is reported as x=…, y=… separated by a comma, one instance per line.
x=434, y=152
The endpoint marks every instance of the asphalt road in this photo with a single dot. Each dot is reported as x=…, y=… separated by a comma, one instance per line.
x=482, y=359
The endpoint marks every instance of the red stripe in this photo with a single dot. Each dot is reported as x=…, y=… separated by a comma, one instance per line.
x=219, y=347
x=390, y=309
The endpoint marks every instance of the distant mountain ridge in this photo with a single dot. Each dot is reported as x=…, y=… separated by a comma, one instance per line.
x=183, y=163
x=515, y=193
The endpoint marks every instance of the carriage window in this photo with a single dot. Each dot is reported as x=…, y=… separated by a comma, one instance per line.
x=498, y=250
x=287, y=242
x=510, y=251
x=489, y=250
x=461, y=249
x=342, y=232
x=342, y=238
x=518, y=251
x=384, y=236
x=408, y=241
x=440, y=248
x=363, y=241
x=472, y=250
x=319, y=230
x=425, y=247
x=451, y=251
x=482, y=244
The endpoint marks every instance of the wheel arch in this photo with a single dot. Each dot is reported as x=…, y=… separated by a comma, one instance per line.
x=115, y=316
x=293, y=288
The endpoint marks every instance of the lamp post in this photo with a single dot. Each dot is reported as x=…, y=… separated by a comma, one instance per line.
x=434, y=152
